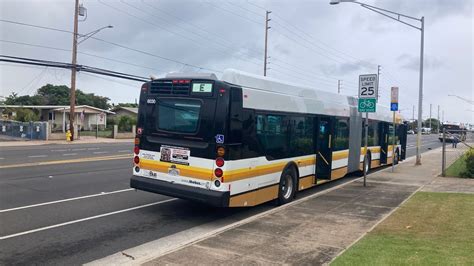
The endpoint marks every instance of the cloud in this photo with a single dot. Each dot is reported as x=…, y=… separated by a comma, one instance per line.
x=432, y=9
x=411, y=62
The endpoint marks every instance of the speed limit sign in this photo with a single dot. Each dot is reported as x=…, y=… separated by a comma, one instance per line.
x=368, y=86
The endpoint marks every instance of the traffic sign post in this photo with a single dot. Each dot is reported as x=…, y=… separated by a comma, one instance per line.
x=393, y=108
x=368, y=91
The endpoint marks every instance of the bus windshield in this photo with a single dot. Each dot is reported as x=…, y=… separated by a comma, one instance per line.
x=178, y=115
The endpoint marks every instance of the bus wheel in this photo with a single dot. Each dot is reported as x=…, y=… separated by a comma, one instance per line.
x=367, y=162
x=286, y=189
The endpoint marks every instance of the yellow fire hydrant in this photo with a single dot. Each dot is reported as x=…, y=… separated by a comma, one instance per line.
x=68, y=135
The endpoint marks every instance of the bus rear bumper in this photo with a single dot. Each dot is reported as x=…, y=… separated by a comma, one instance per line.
x=213, y=198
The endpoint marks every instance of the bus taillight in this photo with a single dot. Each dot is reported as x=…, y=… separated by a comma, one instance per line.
x=136, y=150
x=136, y=160
x=218, y=172
x=219, y=162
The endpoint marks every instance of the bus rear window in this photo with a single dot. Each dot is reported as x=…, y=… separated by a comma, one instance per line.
x=178, y=115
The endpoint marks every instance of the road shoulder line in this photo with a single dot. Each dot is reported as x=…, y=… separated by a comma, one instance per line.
x=65, y=200
x=83, y=219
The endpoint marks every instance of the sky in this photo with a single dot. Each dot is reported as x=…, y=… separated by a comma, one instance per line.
x=310, y=43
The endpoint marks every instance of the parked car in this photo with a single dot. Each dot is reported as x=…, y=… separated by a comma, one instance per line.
x=411, y=132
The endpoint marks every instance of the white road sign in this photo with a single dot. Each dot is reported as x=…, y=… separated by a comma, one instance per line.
x=368, y=86
x=394, y=95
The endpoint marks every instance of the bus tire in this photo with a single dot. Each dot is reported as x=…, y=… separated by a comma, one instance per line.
x=287, y=186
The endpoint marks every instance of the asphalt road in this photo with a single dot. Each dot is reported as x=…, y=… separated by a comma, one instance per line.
x=51, y=152
x=76, y=212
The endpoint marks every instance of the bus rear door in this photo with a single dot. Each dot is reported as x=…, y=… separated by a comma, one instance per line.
x=383, y=141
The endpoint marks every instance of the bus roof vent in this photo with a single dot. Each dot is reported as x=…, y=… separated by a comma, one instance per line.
x=211, y=76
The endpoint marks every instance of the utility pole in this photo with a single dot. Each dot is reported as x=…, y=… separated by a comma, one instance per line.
x=338, y=86
x=73, y=72
x=266, y=42
x=430, y=115
x=413, y=114
x=439, y=123
x=443, y=116
x=378, y=82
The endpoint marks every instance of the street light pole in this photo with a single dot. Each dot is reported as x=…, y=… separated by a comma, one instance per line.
x=397, y=17
x=72, y=97
x=420, y=95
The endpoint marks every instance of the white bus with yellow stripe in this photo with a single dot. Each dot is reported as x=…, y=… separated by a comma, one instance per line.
x=243, y=139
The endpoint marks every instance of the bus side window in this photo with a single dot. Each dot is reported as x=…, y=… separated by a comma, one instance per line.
x=272, y=134
x=235, y=115
x=341, y=141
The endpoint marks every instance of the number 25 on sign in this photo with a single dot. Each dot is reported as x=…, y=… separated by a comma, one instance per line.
x=368, y=86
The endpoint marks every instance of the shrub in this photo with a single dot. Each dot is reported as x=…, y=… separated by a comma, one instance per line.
x=469, y=160
x=126, y=122
x=26, y=115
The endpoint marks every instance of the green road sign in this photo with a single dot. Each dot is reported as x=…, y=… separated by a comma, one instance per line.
x=367, y=105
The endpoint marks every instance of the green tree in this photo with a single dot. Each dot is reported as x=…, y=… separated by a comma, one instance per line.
x=434, y=123
x=14, y=99
x=54, y=95
x=58, y=95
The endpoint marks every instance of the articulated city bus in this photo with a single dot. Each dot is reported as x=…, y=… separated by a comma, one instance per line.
x=243, y=139
x=453, y=131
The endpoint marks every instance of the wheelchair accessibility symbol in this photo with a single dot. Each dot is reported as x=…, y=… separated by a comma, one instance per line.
x=219, y=139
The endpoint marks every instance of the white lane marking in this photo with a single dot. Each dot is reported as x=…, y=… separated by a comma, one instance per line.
x=100, y=152
x=65, y=200
x=69, y=154
x=93, y=149
x=125, y=151
x=60, y=150
x=84, y=219
x=81, y=149
x=37, y=156
x=1, y=158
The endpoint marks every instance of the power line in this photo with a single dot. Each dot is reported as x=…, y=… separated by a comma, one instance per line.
x=38, y=62
x=169, y=14
x=193, y=41
x=121, y=46
x=212, y=41
x=317, y=40
x=33, y=79
x=79, y=52
x=233, y=13
x=107, y=79
x=35, y=26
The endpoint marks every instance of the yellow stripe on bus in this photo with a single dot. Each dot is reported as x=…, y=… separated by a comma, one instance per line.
x=229, y=176
x=184, y=170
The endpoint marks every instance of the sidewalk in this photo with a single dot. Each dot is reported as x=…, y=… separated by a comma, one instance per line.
x=316, y=229
x=82, y=140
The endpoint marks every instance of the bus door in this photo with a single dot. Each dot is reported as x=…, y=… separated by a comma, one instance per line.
x=383, y=141
x=324, y=128
x=402, y=135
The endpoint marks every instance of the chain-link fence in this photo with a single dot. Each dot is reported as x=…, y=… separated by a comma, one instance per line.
x=455, y=143
x=15, y=130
